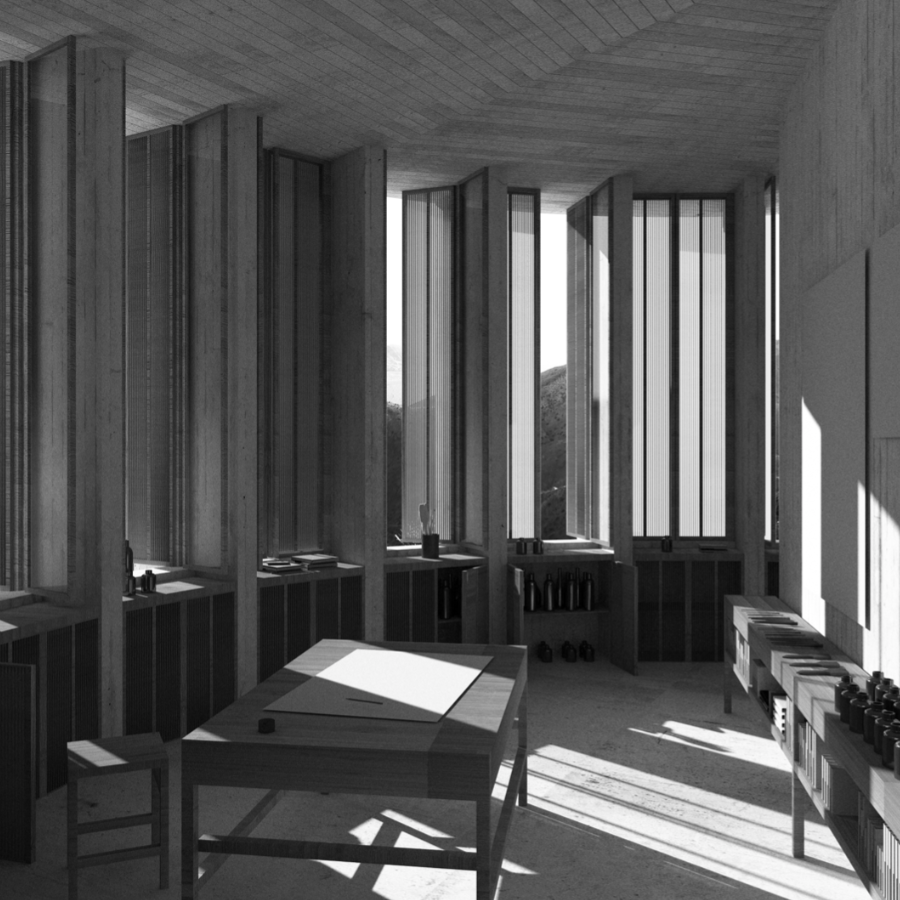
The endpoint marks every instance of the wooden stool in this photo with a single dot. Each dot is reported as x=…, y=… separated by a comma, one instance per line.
x=113, y=756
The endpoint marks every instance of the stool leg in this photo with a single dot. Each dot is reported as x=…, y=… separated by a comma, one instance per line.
x=190, y=832
x=163, y=808
x=154, y=807
x=72, y=835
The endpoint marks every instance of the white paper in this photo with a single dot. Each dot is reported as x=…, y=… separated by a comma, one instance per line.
x=386, y=684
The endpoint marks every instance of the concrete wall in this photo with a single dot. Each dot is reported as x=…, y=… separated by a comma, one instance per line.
x=839, y=179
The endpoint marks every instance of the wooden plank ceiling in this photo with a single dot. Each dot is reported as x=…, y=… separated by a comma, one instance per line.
x=564, y=93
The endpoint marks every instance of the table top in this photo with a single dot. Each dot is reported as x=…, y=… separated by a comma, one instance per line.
x=456, y=757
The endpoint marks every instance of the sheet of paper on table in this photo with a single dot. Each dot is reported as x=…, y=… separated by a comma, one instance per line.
x=386, y=684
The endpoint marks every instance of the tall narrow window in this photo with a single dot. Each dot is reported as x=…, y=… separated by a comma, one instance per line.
x=652, y=364
x=524, y=409
x=428, y=335
x=15, y=348
x=291, y=369
x=588, y=368
x=772, y=359
x=682, y=377
x=156, y=324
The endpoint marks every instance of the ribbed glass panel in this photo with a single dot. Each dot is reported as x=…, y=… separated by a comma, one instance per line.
x=657, y=365
x=776, y=362
x=293, y=360
x=714, y=369
x=600, y=350
x=440, y=498
x=474, y=298
x=15, y=342
x=415, y=361
x=637, y=424
x=428, y=360
x=690, y=367
x=154, y=307
x=523, y=309
x=307, y=456
x=769, y=337
x=284, y=334
x=578, y=373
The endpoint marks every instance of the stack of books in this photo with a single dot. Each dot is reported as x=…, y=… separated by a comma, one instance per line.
x=312, y=561
x=276, y=564
x=299, y=562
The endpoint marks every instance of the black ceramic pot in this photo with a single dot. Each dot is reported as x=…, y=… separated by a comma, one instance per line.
x=846, y=697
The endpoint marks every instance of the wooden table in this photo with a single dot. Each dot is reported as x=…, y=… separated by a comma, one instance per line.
x=456, y=758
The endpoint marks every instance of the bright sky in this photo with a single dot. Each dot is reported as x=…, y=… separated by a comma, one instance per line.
x=553, y=284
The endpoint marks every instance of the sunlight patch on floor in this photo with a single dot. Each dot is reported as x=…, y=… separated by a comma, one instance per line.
x=722, y=835
x=722, y=742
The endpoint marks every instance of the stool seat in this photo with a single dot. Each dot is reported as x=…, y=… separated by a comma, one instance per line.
x=115, y=756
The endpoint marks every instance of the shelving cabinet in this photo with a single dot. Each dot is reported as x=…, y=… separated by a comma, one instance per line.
x=681, y=603
x=412, y=599
x=297, y=609
x=858, y=798
x=560, y=625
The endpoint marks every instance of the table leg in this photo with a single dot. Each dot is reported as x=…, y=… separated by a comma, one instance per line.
x=798, y=795
x=523, y=743
x=190, y=827
x=726, y=685
x=483, y=848
x=72, y=834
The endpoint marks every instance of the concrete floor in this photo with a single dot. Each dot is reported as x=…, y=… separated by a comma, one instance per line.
x=639, y=788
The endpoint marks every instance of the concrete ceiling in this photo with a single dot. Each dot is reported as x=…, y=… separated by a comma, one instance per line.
x=563, y=93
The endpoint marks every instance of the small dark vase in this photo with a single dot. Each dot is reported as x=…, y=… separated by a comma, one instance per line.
x=431, y=546
x=570, y=654
x=882, y=724
x=883, y=687
x=888, y=742
x=871, y=681
x=839, y=689
x=858, y=713
x=545, y=654
x=872, y=713
x=846, y=698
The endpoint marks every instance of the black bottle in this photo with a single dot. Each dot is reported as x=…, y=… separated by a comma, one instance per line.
x=586, y=652
x=571, y=593
x=129, y=569
x=586, y=589
x=531, y=594
x=549, y=594
x=445, y=610
x=570, y=654
x=545, y=654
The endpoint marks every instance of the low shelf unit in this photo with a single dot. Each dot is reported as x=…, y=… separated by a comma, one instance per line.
x=442, y=600
x=297, y=609
x=778, y=658
x=555, y=627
